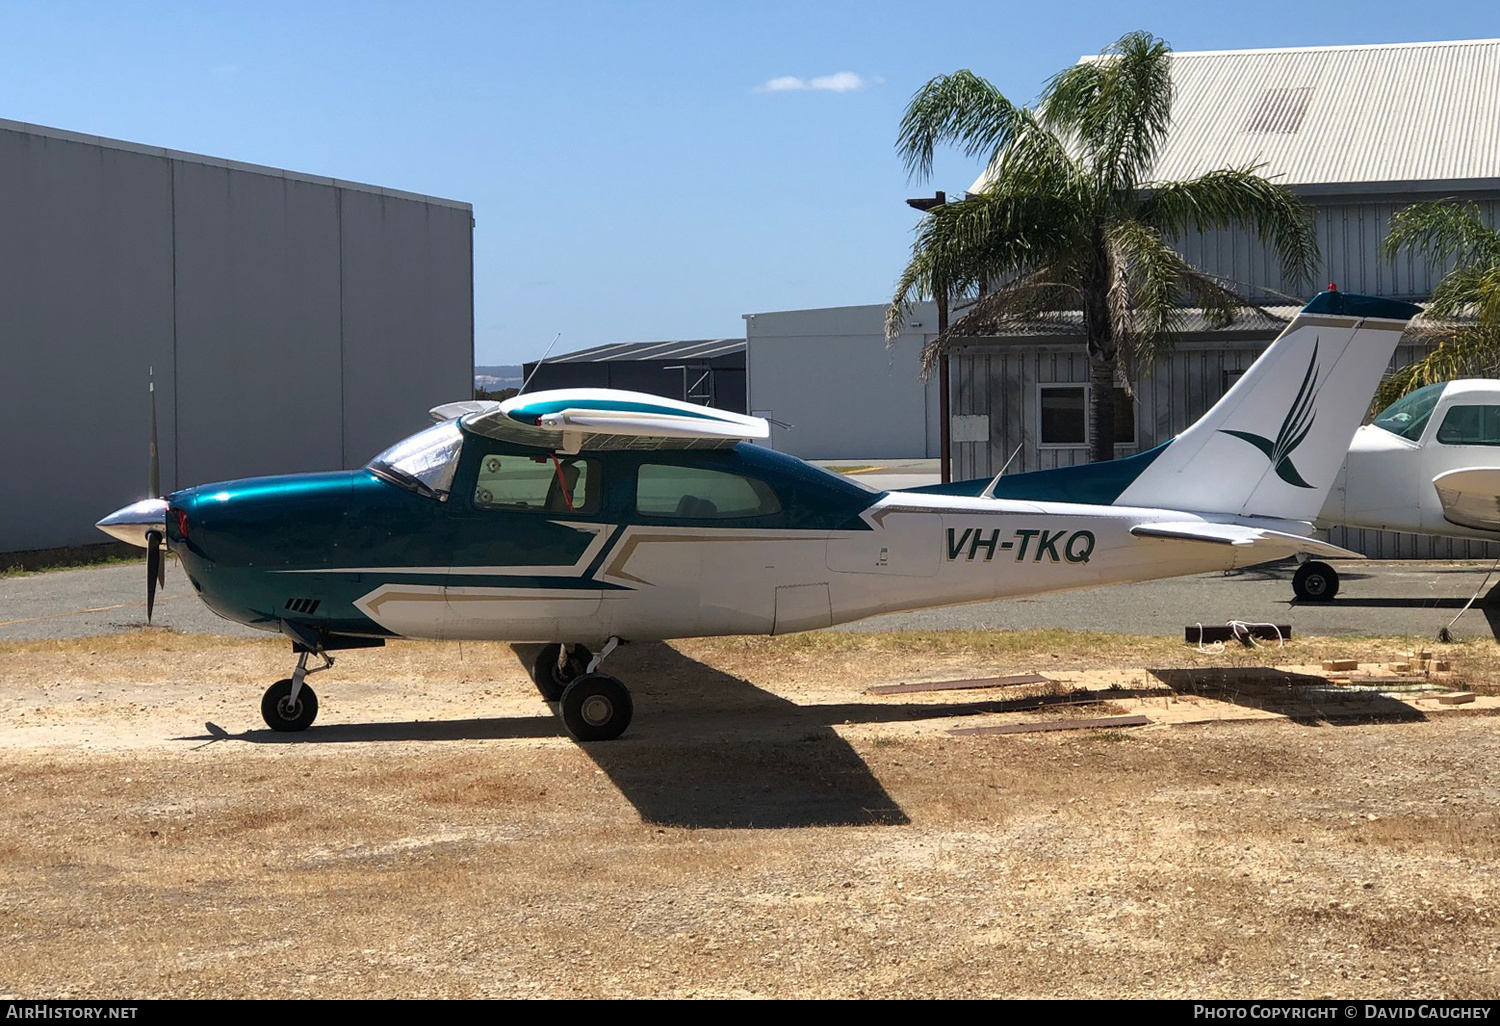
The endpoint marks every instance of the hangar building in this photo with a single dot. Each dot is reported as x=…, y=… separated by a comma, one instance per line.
x=710, y=372
x=291, y=322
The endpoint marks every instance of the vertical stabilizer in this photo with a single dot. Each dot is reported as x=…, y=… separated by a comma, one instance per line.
x=1273, y=444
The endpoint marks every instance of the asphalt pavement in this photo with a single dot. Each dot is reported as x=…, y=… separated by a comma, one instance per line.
x=1411, y=598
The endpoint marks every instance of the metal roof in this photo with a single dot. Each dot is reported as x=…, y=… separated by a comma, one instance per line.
x=700, y=349
x=1398, y=114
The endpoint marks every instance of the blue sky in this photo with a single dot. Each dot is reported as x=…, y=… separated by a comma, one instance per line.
x=639, y=171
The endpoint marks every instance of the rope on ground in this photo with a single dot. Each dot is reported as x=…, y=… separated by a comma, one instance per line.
x=1446, y=635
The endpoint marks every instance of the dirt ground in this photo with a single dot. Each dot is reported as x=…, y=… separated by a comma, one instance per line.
x=766, y=828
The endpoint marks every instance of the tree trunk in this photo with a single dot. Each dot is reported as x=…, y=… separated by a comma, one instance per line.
x=1099, y=329
x=1101, y=408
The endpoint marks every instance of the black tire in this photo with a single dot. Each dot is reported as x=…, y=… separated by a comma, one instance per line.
x=1315, y=582
x=596, y=707
x=273, y=707
x=552, y=681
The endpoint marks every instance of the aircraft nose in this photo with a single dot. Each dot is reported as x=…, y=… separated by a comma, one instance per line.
x=130, y=523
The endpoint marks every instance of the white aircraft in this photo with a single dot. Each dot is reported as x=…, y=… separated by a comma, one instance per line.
x=1428, y=464
x=589, y=517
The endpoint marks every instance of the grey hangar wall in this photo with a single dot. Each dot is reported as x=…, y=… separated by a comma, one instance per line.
x=292, y=323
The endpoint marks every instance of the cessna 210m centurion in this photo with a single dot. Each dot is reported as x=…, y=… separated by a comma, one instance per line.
x=584, y=518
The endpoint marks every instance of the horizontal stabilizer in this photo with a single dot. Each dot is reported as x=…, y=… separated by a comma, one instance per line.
x=1470, y=497
x=1238, y=534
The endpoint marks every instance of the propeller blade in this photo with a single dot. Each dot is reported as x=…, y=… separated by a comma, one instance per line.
x=153, y=569
x=153, y=476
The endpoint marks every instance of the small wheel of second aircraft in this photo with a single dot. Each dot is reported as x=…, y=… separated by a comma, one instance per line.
x=550, y=679
x=1315, y=582
x=282, y=714
x=596, y=707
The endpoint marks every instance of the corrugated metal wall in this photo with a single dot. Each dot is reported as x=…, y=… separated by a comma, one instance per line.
x=293, y=323
x=1349, y=238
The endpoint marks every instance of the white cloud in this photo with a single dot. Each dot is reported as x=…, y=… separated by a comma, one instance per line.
x=840, y=82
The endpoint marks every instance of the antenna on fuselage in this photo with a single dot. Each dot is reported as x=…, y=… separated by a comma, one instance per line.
x=539, y=363
x=989, y=489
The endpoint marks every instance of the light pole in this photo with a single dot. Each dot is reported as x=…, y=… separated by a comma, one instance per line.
x=925, y=204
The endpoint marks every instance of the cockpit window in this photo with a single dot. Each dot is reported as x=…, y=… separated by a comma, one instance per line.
x=1408, y=415
x=425, y=462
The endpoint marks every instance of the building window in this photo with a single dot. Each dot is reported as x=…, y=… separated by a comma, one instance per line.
x=1064, y=416
x=1064, y=411
x=1471, y=425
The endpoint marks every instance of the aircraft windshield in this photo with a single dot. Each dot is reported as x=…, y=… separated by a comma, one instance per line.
x=1408, y=415
x=425, y=462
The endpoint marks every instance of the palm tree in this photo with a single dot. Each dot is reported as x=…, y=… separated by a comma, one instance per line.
x=1463, y=315
x=1069, y=219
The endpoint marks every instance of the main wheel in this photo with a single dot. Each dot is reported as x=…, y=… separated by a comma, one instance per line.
x=1315, y=582
x=596, y=707
x=551, y=680
x=282, y=714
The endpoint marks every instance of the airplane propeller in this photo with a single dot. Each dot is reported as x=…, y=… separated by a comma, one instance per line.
x=144, y=523
x=156, y=567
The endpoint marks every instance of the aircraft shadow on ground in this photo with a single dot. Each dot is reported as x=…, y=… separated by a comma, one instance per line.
x=1303, y=698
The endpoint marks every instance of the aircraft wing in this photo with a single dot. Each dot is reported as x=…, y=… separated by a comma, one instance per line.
x=1237, y=534
x=1470, y=497
x=597, y=418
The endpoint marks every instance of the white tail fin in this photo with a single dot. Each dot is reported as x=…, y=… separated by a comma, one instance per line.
x=1273, y=444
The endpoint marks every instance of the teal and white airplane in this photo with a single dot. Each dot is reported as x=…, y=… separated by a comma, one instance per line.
x=581, y=519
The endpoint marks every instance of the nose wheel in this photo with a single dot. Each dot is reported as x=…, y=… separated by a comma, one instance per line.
x=285, y=713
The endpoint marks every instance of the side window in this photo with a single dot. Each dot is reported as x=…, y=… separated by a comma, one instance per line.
x=545, y=483
x=1470, y=425
x=694, y=493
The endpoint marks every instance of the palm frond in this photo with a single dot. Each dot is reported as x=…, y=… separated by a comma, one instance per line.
x=963, y=109
x=990, y=236
x=1118, y=108
x=1231, y=197
x=1469, y=292
x=1468, y=352
x=1028, y=299
x=1442, y=231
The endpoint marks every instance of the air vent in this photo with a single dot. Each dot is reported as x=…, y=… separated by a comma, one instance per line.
x=306, y=606
x=1279, y=111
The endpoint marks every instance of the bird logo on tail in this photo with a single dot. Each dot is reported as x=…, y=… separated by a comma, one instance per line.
x=1298, y=422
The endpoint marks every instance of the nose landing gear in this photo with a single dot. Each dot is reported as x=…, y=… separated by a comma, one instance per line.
x=289, y=704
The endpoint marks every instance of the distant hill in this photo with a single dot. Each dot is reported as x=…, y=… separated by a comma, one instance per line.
x=494, y=378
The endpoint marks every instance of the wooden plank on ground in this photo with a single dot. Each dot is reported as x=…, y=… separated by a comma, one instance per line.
x=959, y=685
x=1042, y=725
x=1195, y=634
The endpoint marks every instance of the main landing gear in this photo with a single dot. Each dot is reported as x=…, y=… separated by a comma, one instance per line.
x=289, y=704
x=594, y=706
x=1315, y=582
